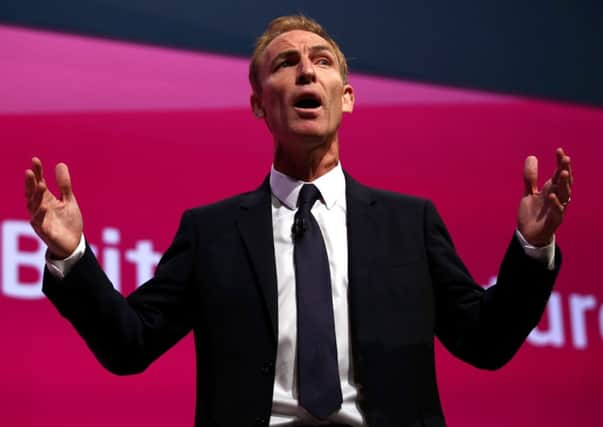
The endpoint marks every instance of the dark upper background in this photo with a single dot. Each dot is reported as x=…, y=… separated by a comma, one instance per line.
x=546, y=49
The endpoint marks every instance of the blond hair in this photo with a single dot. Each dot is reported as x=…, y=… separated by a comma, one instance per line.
x=285, y=24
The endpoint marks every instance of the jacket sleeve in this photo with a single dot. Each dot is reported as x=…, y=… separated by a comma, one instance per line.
x=127, y=334
x=485, y=327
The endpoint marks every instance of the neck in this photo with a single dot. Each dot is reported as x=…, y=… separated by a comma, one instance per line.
x=306, y=164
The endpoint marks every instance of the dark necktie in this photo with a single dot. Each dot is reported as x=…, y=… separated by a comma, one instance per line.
x=317, y=370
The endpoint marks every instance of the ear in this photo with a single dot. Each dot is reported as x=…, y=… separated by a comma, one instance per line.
x=256, y=105
x=347, y=99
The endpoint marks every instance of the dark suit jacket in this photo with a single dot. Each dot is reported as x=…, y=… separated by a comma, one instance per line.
x=218, y=278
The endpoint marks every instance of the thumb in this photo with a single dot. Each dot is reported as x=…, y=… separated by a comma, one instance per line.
x=64, y=181
x=530, y=175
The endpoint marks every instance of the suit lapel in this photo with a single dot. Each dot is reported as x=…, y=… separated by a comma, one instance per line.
x=362, y=234
x=255, y=226
x=362, y=243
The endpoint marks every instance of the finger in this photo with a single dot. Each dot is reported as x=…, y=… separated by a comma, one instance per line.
x=555, y=216
x=558, y=209
x=566, y=164
x=64, y=181
x=30, y=183
x=569, y=171
x=36, y=165
x=530, y=175
x=563, y=163
x=37, y=198
x=564, y=190
x=560, y=153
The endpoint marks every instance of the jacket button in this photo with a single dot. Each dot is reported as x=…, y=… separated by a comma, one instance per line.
x=267, y=368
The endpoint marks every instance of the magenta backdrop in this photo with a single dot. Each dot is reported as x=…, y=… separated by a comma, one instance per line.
x=149, y=132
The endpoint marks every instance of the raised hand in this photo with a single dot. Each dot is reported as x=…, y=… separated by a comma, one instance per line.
x=542, y=211
x=58, y=222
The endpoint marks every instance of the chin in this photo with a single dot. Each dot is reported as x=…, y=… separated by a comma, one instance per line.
x=310, y=130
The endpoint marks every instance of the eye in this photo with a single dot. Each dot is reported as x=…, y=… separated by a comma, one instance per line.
x=285, y=62
x=323, y=61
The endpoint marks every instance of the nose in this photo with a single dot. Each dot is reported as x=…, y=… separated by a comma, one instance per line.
x=305, y=72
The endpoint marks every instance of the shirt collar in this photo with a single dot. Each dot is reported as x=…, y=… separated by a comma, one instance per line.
x=331, y=186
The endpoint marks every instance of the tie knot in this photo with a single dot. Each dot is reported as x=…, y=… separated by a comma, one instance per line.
x=308, y=195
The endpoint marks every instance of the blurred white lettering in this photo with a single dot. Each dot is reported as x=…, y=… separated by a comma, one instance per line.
x=579, y=305
x=111, y=266
x=13, y=258
x=16, y=284
x=145, y=259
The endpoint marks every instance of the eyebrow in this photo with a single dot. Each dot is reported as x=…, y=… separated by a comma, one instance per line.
x=314, y=50
x=322, y=47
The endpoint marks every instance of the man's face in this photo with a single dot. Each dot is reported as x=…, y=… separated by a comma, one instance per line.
x=302, y=91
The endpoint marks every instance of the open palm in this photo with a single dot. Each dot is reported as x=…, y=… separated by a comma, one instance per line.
x=58, y=221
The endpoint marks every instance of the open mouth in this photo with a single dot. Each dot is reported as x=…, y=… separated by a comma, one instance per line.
x=308, y=102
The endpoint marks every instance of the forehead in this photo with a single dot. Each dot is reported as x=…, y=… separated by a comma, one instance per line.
x=293, y=40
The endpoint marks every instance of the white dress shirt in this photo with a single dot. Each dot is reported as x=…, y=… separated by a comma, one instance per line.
x=330, y=213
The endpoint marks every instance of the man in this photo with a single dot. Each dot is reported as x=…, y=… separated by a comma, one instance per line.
x=310, y=304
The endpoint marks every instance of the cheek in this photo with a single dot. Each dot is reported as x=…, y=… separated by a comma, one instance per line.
x=336, y=104
x=275, y=115
x=272, y=92
x=273, y=102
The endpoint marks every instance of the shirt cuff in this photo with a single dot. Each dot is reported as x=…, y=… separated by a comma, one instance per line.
x=60, y=268
x=545, y=254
